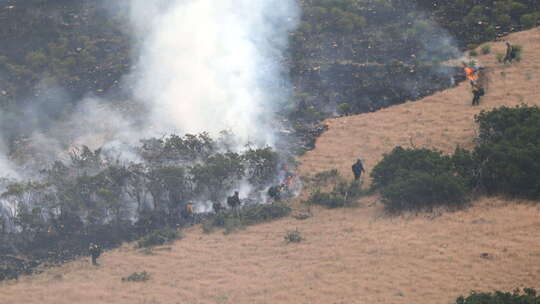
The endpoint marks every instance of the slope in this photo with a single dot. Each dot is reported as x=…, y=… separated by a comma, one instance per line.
x=350, y=255
x=442, y=121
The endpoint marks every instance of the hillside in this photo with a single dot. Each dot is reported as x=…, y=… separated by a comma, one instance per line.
x=350, y=255
x=441, y=121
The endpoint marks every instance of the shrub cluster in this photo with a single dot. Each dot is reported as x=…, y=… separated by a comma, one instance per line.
x=504, y=161
x=96, y=198
x=293, y=236
x=418, y=179
x=246, y=216
x=343, y=194
x=137, y=277
x=159, y=237
x=529, y=296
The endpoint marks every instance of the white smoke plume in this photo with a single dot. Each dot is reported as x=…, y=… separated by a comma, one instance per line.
x=202, y=66
x=6, y=167
x=209, y=65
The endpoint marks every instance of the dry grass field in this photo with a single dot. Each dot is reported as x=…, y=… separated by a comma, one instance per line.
x=355, y=255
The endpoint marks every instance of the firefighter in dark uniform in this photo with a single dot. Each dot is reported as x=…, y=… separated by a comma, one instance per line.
x=275, y=192
x=357, y=169
x=510, y=53
x=234, y=201
x=217, y=207
x=478, y=92
x=95, y=252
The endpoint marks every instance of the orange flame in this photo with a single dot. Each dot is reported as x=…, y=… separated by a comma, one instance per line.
x=470, y=74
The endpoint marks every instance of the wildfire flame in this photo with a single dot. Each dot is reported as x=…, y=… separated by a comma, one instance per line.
x=470, y=73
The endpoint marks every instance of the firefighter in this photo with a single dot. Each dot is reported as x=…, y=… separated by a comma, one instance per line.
x=187, y=213
x=275, y=192
x=189, y=209
x=478, y=92
x=234, y=201
x=357, y=169
x=95, y=252
x=217, y=207
x=510, y=53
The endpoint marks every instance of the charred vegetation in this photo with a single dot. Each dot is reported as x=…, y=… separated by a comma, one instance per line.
x=93, y=198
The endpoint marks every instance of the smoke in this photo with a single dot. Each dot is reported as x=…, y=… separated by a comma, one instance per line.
x=6, y=167
x=212, y=65
x=201, y=66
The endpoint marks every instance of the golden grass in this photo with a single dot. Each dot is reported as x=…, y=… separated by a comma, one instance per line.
x=349, y=255
x=441, y=121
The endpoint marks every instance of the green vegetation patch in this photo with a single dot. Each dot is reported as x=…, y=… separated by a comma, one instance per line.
x=504, y=161
x=293, y=236
x=528, y=296
x=137, y=277
x=249, y=215
x=159, y=237
x=418, y=179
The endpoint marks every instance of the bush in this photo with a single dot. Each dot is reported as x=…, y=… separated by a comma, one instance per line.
x=255, y=214
x=529, y=20
x=473, y=53
x=329, y=200
x=518, y=49
x=137, y=277
x=343, y=194
x=293, y=236
x=486, y=49
x=500, y=57
x=421, y=191
x=246, y=216
x=418, y=179
x=400, y=162
x=232, y=224
x=508, y=151
x=529, y=296
x=344, y=109
x=159, y=237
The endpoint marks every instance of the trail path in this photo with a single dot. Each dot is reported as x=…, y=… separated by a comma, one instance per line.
x=350, y=255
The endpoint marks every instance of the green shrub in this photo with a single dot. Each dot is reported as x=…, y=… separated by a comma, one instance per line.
x=255, y=214
x=529, y=20
x=293, y=236
x=466, y=166
x=344, y=194
x=418, y=179
x=504, y=20
x=508, y=151
x=500, y=57
x=421, y=191
x=232, y=224
x=486, y=49
x=518, y=49
x=208, y=226
x=159, y=237
x=400, y=162
x=329, y=200
x=246, y=216
x=302, y=216
x=473, y=53
x=344, y=109
x=137, y=277
x=529, y=296
x=325, y=177
x=472, y=46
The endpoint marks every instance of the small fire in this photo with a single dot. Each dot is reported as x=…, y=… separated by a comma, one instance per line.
x=470, y=73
